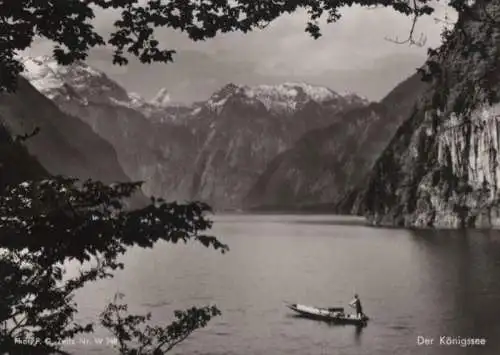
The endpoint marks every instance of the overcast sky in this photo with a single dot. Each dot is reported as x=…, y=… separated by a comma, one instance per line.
x=352, y=55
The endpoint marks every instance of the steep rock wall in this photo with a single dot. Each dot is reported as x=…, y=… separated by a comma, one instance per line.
x=441, y=169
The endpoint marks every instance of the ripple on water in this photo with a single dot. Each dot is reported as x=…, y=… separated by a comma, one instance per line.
x=219, y=333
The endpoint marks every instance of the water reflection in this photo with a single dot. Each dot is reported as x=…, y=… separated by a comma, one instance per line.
x=465, y=272
x=358, y=330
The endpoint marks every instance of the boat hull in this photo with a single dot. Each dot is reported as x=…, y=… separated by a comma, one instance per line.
x=331, y=315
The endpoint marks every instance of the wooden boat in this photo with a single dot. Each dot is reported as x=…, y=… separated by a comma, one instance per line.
x=333, y=314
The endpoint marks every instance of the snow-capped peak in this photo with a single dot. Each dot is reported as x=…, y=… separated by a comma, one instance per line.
x=352, y=97
x=287, y=96
x=162, y=98
x=42, y=72
x=40, y=65
x=294, y=90
x=77, y=81
x=51, y=78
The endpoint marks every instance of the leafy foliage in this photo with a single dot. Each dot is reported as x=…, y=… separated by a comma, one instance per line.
x=152, y=340
x=46, y=223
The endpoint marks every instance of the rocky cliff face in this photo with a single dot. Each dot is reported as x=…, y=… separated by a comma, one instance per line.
x=326, y=163
x=442, y=167
x=64, y=145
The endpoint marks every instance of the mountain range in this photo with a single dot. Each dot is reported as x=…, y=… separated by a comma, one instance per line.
x=214, y=150
x=426, y=155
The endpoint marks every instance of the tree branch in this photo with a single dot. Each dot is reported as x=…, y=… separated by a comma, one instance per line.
x=410, y=40
x=18, y=325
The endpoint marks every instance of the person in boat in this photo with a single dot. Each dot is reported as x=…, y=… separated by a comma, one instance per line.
x=356, y=303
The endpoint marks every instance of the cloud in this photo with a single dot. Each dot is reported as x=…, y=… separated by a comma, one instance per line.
x=351, y=46
x=359, y=36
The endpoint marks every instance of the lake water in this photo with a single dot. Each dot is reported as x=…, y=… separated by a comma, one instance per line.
x=411, y=283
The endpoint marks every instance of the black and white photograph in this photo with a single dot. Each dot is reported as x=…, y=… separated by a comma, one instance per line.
x=249, y=177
